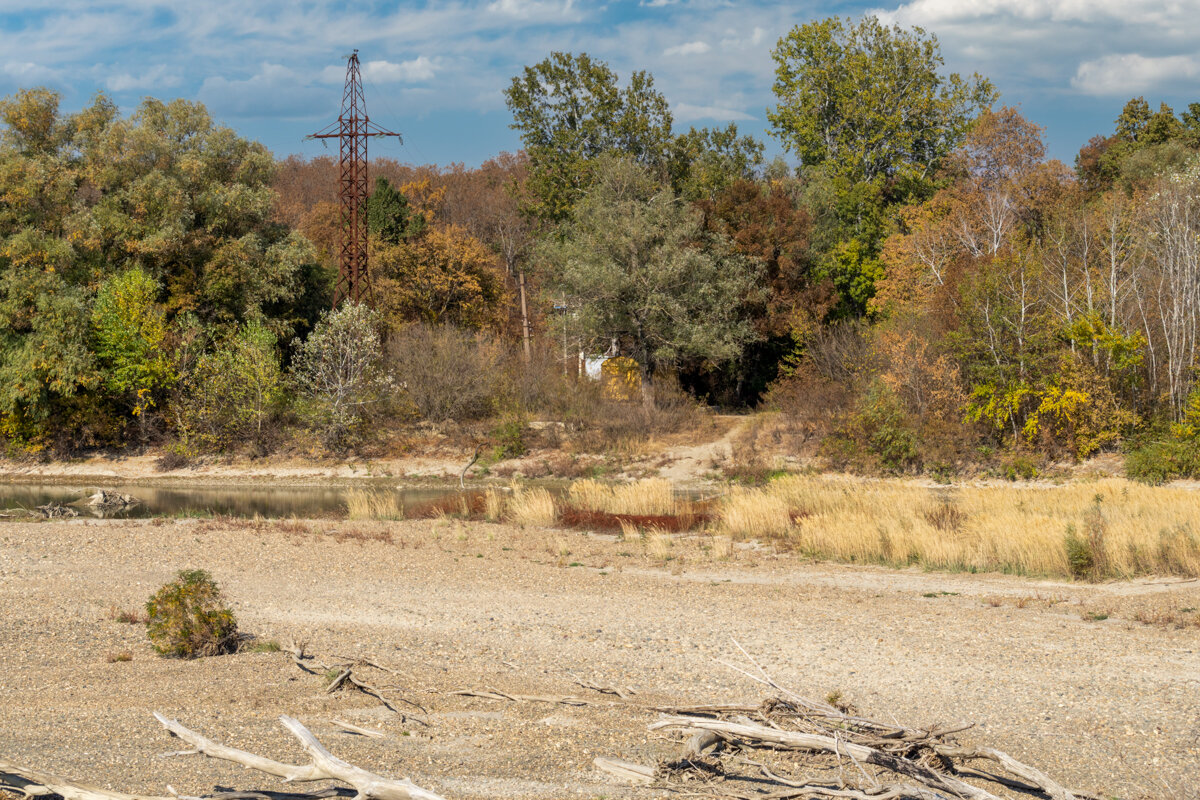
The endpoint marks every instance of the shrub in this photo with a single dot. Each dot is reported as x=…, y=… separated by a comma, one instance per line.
x=447, y=373
x=231, y=395
x=188, y=618
x=1158, y=461
x=338, y=368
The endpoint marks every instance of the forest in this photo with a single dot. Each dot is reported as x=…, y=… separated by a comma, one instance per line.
x=915, y=289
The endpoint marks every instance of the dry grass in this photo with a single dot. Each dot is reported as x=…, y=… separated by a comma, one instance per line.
x=493, y=505
x=373, y=504
x=531, y=508
x=659, y=545
x=755, y=514
x=1105, y=529
x=118, y=657
x=653, y=497
x=722, y=547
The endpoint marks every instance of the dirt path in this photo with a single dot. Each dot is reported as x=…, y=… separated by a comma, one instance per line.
x=1109, y=706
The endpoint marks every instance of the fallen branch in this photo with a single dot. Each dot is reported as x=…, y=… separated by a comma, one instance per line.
x=322, y=766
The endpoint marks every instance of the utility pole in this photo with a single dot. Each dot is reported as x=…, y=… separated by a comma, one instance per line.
x=352, y=129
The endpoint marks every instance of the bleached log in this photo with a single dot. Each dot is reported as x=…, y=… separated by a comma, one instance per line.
x=36, y=783
x=324, y=765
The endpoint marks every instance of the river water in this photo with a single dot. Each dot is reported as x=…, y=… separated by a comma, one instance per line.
x=236, y=501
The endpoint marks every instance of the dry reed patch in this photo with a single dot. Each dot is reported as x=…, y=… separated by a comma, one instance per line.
x=531, y=508
x=753, y=514
x=654, y=497
x=493, y=505
x=721, y=548
x=1103, y=529
x=373, y=504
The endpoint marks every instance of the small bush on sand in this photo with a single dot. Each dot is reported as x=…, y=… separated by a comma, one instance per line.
x=188, y=618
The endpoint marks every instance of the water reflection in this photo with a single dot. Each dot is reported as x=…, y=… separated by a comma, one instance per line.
x=262, y=501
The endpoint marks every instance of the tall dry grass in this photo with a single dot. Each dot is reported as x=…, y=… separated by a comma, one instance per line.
x=1104, y=529
x=531, y=508
x=373, y=504
x=653, y=497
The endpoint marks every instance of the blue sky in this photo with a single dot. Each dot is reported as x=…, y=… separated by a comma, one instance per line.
x=435, y=71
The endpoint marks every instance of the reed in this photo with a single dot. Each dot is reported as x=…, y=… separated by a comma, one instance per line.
x=1110, y=528
x=531, y=508
x=373, y=504
x=654, y=497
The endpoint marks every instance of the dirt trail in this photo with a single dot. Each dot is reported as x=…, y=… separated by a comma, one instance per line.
x=1110, y=706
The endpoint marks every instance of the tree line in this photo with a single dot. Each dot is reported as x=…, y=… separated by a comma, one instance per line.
x=924, y=289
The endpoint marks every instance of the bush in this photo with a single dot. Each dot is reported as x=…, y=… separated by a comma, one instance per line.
x=447, y=373
x=188, y=618
x=231, y=395
x=1162, y=460
x=338, y=368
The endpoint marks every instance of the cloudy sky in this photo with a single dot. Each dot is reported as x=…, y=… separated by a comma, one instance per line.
x=273, y=69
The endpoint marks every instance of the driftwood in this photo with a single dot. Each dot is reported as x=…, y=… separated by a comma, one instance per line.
x=496, y=694
x=345, y=677
x=107, y=499
x=625, y=770
x=819, y=750
x=322, y=766
x=56, y=511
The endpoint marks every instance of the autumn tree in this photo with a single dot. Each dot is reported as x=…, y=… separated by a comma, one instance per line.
x=630, y=264
x=444, y=276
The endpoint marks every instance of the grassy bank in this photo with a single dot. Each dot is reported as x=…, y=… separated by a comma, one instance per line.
x=1094, y=530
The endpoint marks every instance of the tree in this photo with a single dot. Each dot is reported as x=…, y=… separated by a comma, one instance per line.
x=339, y=368
x=631, y=264
x=130, y=339
x=708, y=160
x=229, y=395
x=569, y=110
x=868, y=101
x=389, y=216
x=445, y=276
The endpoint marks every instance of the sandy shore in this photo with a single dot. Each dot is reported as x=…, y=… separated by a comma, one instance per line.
x=1110, y=706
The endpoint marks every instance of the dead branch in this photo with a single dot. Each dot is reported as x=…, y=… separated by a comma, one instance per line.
x=322, y=766
x=763, y=735
x=625, y=770
x=495, y=694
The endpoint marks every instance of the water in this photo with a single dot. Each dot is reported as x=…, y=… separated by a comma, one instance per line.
x=237, y=501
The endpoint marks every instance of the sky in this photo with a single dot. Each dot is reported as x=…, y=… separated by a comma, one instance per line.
x=273, y=69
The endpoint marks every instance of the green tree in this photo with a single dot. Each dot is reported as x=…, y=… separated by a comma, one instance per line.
x=130, y=333
x=706, y=161
x=869, y=101
x=389, y=215
x=569, y=109
x=230, y=395
x=631, y=264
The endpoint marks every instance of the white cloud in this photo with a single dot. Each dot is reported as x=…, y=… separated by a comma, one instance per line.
x=155, y=77
x=1132, y=73
x=30, y=71
x=686, y=112
x=657, y=3
x=528, y=9
x=274, y=91
x=413, y=71
x=689, y=49
x=941, y=11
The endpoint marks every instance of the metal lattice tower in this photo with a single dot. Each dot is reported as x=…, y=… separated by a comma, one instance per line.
x=352, y=129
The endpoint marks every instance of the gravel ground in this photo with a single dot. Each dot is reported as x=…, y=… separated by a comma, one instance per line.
x=1110, y=706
